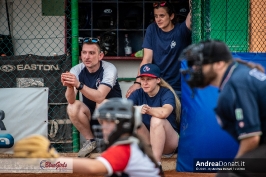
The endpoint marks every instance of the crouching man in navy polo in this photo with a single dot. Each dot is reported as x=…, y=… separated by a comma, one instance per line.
x=97, y=81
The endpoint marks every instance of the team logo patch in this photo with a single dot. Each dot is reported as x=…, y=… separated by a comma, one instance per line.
x=98, y=81
x=173, y=44
x=257, y=74
x=146, y=69
x=239, y=114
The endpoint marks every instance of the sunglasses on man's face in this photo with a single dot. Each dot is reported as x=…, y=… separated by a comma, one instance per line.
x=91, y=40
x=159, y=4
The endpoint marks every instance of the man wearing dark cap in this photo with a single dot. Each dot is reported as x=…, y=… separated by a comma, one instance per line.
x=160, y=108
x=241, y=105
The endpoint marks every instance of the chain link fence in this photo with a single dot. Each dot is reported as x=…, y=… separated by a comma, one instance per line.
x=36, y=45
x=240, y=23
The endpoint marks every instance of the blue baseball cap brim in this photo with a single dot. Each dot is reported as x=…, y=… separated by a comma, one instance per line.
x=147, y=75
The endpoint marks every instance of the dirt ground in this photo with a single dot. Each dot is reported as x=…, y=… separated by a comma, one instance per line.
x=167, y=174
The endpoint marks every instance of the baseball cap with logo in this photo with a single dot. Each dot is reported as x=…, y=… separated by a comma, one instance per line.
x=150, y=70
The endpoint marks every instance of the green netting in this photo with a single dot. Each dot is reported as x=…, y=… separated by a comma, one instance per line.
x=237, y=22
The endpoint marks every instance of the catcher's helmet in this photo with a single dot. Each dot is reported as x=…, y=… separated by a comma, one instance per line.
x=123, y=113
x=107, y=18
x=108, y=43
x=182, y=10
x=205, y=52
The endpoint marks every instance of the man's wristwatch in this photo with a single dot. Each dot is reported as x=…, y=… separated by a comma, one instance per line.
x=81, y=85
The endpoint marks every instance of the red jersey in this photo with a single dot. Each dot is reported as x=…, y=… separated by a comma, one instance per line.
x=128, y=159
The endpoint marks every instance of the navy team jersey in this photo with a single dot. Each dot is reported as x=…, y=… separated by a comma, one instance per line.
x=106, y=74
x=166, y=47
x=241, y=108
x=164, y=96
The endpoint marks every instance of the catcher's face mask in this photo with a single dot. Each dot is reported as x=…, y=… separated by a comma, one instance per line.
x=108, y=127
x=199, y=74
x=193, y=74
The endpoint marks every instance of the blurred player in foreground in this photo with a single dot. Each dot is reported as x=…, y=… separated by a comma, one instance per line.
x=241, y=105
x=125, y=155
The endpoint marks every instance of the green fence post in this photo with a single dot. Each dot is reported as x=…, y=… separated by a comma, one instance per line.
x=75, y=59
x=196, y=21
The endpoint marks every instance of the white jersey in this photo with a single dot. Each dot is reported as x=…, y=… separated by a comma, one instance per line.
x=128, y=160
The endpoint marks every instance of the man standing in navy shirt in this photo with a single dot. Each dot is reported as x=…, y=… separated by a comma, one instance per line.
x=241, y=108
x=97, y=81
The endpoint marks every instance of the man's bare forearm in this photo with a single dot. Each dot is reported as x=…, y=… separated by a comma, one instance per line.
x=70, y=95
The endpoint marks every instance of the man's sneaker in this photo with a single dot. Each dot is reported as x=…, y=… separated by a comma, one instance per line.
x=161, y=170
x=87, y=148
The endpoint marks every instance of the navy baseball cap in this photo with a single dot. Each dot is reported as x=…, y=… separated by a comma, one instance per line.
x=150, y=70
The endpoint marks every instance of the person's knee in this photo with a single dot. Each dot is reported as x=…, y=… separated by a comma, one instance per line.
x=156, y=122
x=73, y=109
